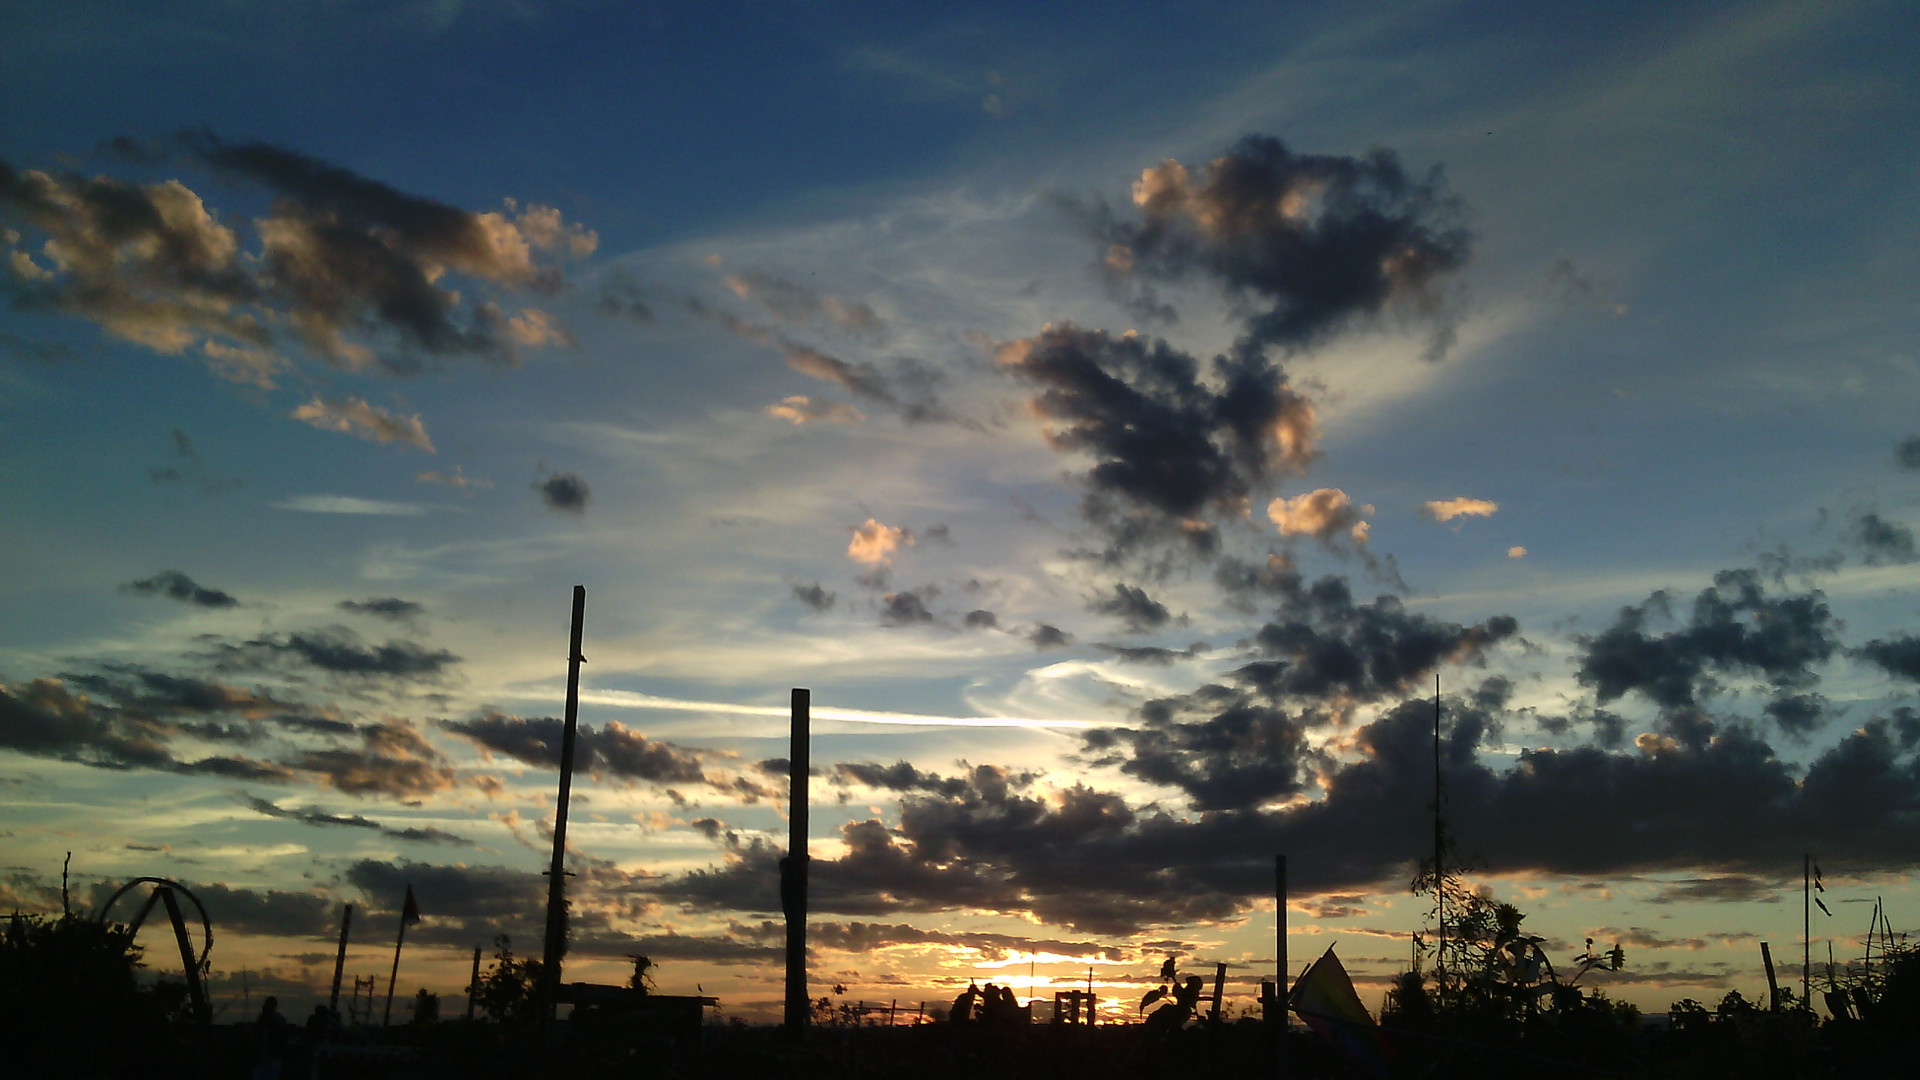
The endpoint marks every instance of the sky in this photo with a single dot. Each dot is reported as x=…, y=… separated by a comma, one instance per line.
x=1118, y=419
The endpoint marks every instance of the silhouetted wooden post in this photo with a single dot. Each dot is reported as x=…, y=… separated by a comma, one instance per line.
x=557, y=872
x=473, y=982
x=1280, y=963
x=340, y=961
x=1773, y=987
x=1219, y=985
x=793, y=868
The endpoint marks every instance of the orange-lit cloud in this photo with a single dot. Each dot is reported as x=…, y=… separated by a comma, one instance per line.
x=874, y=543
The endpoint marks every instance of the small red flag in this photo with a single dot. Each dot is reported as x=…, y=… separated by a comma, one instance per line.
x=410, y=914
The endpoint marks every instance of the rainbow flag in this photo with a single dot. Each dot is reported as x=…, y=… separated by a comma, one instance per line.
x=1324, y=997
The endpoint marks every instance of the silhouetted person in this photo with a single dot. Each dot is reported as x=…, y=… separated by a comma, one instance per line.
x=270, y=1041
x=963, y=1005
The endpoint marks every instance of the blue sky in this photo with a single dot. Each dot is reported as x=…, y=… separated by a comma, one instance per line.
x=799, y=334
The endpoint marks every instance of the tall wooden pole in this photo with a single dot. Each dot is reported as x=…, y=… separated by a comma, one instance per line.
x=340, y=961
x=1282, y=1065
x=793, y=869
x=557, y=872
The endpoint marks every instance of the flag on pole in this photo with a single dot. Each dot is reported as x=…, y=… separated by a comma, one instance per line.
x=1323, y=996
x=410, y=912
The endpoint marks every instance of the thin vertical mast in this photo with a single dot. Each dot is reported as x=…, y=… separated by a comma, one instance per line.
x=1439, y=848
x=556, y=942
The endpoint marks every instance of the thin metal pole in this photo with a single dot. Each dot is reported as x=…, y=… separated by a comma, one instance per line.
x=394, y=975
x=793, y=869
x=1439, y=851
x=340, y=961
x=473, y=982
x=1282, y=1065
x=1806, y=932
x=556, y=943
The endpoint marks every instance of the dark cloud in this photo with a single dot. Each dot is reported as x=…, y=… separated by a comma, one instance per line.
x=1734, y=628
x=1045, y=636
x=612, y=750
x=623, y=295
x=44, y=718
x=904, y=609
x=1222, y=749
x=1323, y=646
x=186, y=467
x=814, y=595
x=1312, y=243
x=1906, y=453
x=1165, y=442
x=384, y=607
x=494, y=899
x=342, y=261
x=393, y=760
x=981, y=619
x=177, y=586
x=1151, y=654
x=1897, y=656
x=268, y=913
x=1883, y=541
x=565, y=492
x=337, y=651
x=900, y=776
x=1798, y=714
x=313, y=815
x=1132, y=606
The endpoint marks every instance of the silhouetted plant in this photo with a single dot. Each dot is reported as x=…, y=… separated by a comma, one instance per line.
x=509, y=989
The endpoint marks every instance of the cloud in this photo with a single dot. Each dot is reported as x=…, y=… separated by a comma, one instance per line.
x=43, y=718
x=900, y=777
x=1906, y=453
x=313, y=815
x=348, y=504
x=1324, y=514
x=1516, y=552
x=1085, y=858
x=1315, y=243
x=1164, y=442
x=873, y=543
x=338, y=651
x=455, y=479
x=612, y=751
x=801, y=409
x=346, y=267
x=353, y=416
x=1151, y=654
x=622, y=295
x=1734, y=628
x=814, y=595
x=177, y=586
x=904, y=609
x=981, y=619
x=392, y=760
x=1897, y=656
x=563, y=492
x=267, y=913
x=1044, y=636
x=1132, y=606
x=384, y=607
x=794, y=303
x=1883, y=541
x=1448, y=509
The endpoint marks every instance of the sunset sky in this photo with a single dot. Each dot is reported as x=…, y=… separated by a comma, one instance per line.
x=1116, y=417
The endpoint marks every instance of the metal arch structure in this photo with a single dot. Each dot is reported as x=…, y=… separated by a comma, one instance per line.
x=164, y=891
